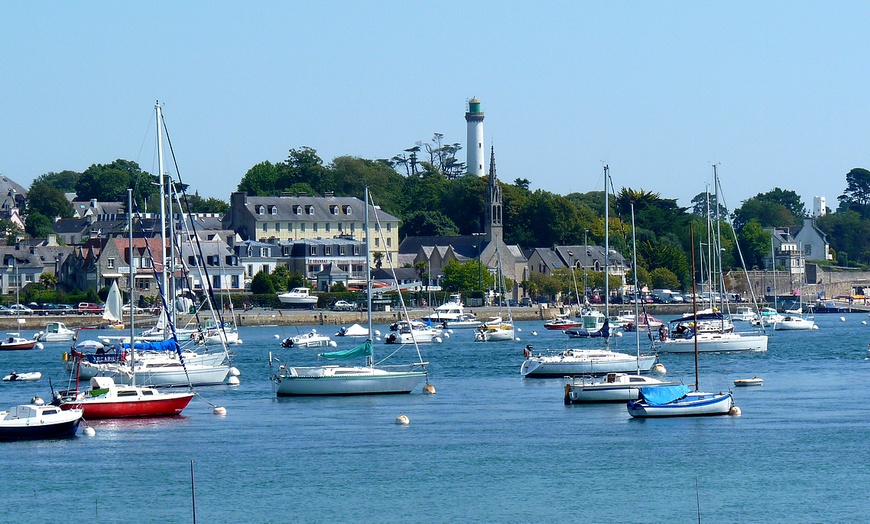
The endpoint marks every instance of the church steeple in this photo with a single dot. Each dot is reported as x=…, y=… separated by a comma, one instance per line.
x=493, y=204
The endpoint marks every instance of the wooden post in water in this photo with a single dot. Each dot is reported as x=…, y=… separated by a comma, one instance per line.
x=193, y=491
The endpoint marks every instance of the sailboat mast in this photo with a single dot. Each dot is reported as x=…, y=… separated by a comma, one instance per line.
x=368, y=267
x=721, y=273
x=164, y=274
x=606, y=245
x=694, y=300
x=130, y=275
x=636, y=301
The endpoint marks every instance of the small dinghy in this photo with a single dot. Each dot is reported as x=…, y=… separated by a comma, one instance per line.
x=743, y=382
x=21, y=377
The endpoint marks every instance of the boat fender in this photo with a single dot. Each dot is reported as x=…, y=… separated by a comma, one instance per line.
x=65, y=356
x=735, y=411
x=429, y=389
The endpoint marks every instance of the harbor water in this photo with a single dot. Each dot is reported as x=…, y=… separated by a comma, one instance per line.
x=489, y=446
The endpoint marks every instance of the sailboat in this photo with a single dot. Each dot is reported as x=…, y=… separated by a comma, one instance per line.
x=106, y=399
x=795, y=320
x=351, y=380
x=677, y=400
x=496, y=328
x=615, y=387
x=709, y=331
x=572, y=362
x=114, y=304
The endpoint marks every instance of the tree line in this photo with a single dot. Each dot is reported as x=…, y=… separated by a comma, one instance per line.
x=426, y=188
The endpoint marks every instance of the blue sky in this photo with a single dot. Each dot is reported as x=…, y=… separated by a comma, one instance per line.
x=775, y=92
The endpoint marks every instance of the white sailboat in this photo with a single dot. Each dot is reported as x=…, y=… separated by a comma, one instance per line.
x=497, y=329
x=572, y=362
x=796, y=320
x=700, y=332
x=351, y=380
x=114, y=307
x=615, y=387
x=678, y=401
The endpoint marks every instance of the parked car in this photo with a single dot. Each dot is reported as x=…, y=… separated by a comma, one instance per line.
x=343, y=305
x=126, y=310
x=20, y=309
x=526, y=302
x=54, y=309
x=90, y=308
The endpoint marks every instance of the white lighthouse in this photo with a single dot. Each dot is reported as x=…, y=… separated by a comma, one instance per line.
x=474, y=145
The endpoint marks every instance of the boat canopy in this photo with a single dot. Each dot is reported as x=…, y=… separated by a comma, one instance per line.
x=661, y=395
x=363, y=350
x=164, y=345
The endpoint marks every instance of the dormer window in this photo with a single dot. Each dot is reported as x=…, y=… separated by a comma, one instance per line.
x=261, y=210
x=348, y=210
x=310, y=210
x=297, y=210
x=333, y=210
x=273, y=210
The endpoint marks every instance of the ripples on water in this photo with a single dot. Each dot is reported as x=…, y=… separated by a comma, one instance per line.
x=489, y=446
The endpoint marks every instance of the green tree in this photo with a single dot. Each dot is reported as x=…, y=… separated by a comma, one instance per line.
x=464, y=276
x=767, y=214
x=302, y=166
x=48, y=200
x=65, y=181
x=427, y=223
x=198, y=204
x=664, y=278
x=38, y=226
x=755, y=244
x=260, y=180
x=109, y=182
x=262, y=284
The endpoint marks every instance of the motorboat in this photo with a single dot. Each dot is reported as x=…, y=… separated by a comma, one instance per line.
x=561, y=323
x=593, y=324
x=767, y=316
x=355, y=330
x=311, y=339
x=613, y=387
x=56, y=332
x=14, y=341
x=298, y=297
x=575, y=362
x=646, y=323
x=744, y=382
x=795, y=323
x=682, y=332
x=495, y=330
x=22, y=377
x=451, y=314
x=105, y=399
x=410, y=332
x=743, y=314
x=38, y=421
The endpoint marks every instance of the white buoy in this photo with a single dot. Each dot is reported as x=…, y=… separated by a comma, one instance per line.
x=842, y=319
x=233, y=381
x=450, y=330
x=735, y=411
x=517, y=339
x=534, y=333
x=815, y=326
x=619, y=333
x=402, y=420
x=863, y=322
x=437, y=340
x=37, y=401
x=377, y=332
x=39, y=345
x=659, y=368
x=89, y=431
x=333, y=344
x=429, y=389
x=239, y=342
x=447, y=334
x=519, y=329
x=220, y=410
x=234, y=372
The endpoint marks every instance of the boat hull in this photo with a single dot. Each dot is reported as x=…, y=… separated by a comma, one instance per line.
x=716, y=343
x=168, y=405
x=692, y=405
x=564, y=366
x=362, y=384
x=59, y=425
